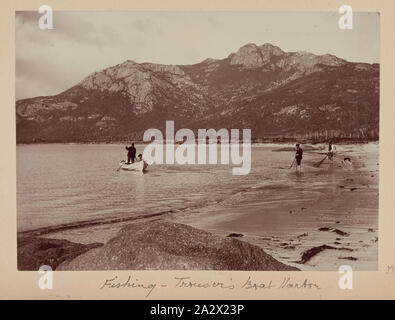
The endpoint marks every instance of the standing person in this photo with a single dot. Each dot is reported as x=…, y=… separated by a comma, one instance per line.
x=131, y=153
x=298, y=157
x=331, y=150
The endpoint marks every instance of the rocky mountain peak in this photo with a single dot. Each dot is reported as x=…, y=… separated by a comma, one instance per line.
x=249, y=56
x=253, y=56
x=269, y=49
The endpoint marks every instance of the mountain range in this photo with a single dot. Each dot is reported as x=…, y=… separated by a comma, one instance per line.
x=278, y=95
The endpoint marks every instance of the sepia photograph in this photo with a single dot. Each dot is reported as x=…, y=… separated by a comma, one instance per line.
x=201, y=140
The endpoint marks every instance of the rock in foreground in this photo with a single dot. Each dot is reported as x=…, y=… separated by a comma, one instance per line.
x=34, y=252
x=162, y=245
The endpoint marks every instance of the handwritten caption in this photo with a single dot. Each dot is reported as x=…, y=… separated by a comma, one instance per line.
x=249, y=284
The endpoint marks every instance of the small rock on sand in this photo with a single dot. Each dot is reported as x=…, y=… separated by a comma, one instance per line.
x=348, y=258
x=308, y=254
x=337, y=231
x=324, y=229
x=341, y=233
x=235, y=235
x=302, y=235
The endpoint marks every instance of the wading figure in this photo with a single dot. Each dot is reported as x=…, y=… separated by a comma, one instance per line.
x=331, y=151
x=298, y=157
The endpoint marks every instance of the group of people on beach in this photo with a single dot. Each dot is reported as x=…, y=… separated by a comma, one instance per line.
x=132, y=154
x=298, y=155
x=330, y=154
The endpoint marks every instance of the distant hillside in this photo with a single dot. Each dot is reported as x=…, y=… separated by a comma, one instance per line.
x=279, y=95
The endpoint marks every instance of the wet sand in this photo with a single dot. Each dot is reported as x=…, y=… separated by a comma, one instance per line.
x=332, y=222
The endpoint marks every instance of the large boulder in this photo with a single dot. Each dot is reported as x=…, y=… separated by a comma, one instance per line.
x=162, y=245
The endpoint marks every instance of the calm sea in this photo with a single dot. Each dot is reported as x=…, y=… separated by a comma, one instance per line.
x=67, y=183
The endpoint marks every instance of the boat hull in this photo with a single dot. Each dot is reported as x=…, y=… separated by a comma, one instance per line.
x=139, y=166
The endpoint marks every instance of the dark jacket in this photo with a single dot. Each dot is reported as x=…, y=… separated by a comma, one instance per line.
x=131, y=151
x=299, y=153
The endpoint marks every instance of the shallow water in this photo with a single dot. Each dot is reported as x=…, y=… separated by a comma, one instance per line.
x=59, y=184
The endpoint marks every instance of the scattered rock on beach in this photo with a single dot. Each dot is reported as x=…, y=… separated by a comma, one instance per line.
x=341, y=233
x=348, y=258
x=345, y=249
x=308, y=254
x=302, y=235
x=324, y=229
x=163, y=245
x=337, y=231
x=235, y=235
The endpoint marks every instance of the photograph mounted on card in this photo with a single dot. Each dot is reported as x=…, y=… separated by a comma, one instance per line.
x=197, y=140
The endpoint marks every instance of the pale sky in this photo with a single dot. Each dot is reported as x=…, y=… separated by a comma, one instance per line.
x=51, y=61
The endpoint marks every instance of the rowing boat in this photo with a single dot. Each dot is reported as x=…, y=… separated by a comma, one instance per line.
x=139, y=166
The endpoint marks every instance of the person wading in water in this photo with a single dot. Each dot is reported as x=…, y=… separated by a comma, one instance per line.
x=331, y=150
x=298, y=157
x=131, y=153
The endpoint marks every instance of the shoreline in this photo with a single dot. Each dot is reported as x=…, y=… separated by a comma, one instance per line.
x=269, y=141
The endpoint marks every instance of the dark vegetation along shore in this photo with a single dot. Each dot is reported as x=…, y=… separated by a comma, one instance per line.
x=152, y=245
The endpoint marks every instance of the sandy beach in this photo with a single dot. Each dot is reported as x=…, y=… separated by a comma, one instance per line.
x=333, y=222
